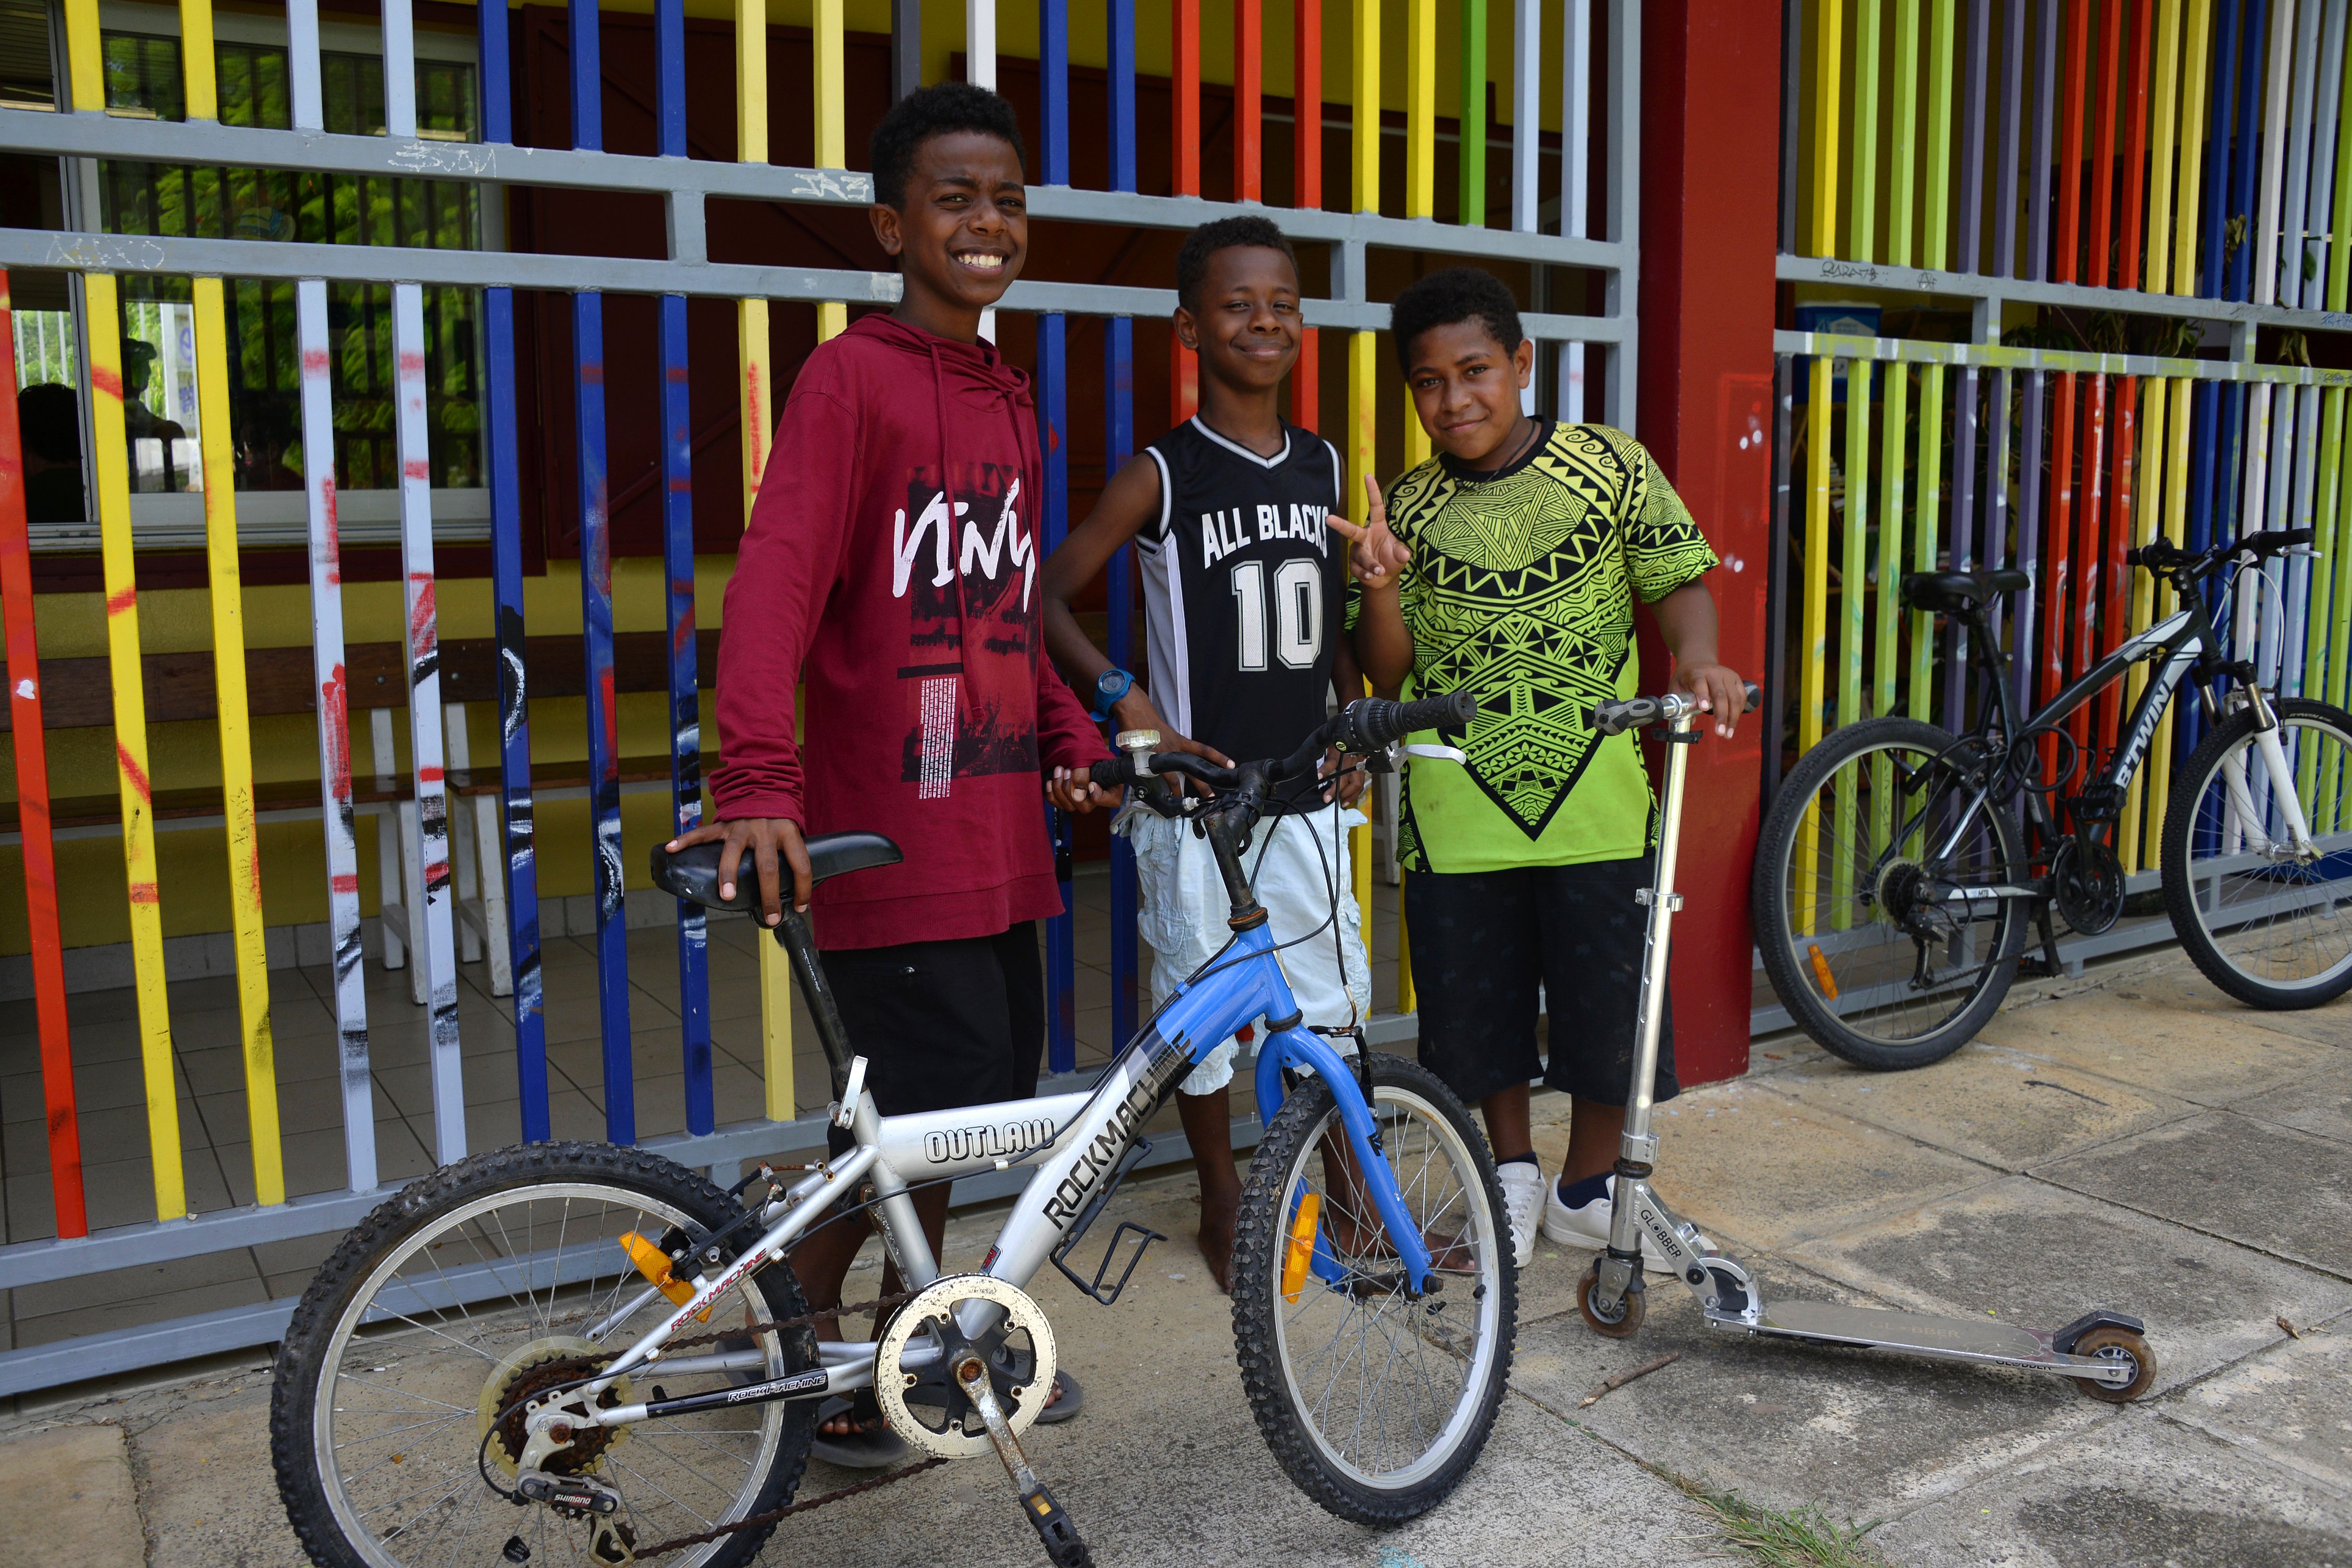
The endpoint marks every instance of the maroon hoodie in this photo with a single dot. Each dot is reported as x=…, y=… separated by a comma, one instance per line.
x=931, y=709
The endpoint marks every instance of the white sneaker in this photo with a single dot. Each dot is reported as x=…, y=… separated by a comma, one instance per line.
x=1586, y=1226
x=1523, y=1189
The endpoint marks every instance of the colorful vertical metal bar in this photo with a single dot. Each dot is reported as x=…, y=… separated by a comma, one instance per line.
x=1526, y=112
x=1249, y=99
x=1118, y=396
x=1935, y=217
x=1903, y=143
x=1054, y=442
x=1829, y=85
x=1471, y=205
x=30, y=749
x=1862, y=178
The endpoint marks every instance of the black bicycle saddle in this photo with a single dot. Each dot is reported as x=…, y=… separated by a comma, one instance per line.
x=1958, y=593
x=693, y=872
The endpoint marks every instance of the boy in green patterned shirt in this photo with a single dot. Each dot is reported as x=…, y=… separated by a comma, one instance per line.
x=1507, y=566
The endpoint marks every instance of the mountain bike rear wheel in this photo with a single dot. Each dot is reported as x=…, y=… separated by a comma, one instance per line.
x=1375, y=1403
x=2269, y=925
x=463, y=1295
x=1872, y=835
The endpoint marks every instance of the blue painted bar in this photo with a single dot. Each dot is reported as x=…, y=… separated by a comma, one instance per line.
x=502, y=453
x=596, y=624
x=1052, y=435
x=1118, y=387
x=678, y=568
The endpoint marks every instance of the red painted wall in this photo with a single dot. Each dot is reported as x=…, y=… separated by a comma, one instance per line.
x=1710, y=120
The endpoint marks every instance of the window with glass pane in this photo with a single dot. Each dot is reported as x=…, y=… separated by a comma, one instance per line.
x=142, y=77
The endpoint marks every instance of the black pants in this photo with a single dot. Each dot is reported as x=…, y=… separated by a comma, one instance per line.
x=1484, y=940
x=944, y=1023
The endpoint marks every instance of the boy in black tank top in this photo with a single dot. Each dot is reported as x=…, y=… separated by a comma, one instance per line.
x=1243, y=585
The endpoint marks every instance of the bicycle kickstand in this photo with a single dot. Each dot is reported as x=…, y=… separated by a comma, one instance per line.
x=1063, y=1548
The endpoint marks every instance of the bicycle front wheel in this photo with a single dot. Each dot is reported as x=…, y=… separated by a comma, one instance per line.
x=1375, y=1403
x=2268, y=918
x=1864, y=911
x=396, y=1423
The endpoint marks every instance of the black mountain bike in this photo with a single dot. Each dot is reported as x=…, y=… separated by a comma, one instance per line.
x=1904, y=871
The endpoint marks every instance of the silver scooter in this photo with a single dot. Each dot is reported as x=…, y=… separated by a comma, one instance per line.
x=2105, y=1352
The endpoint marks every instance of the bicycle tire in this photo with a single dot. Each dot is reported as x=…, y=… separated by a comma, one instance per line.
x=2180, y=819
x=1260, y=1243
x=303, y=1355
x=1770, y=908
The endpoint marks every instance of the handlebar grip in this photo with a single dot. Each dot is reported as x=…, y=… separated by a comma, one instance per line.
x=1616, y=718
x=692, y=873
x=2293, y=538
x=1755, y=698
x=1371, y=723
x=1111, y=773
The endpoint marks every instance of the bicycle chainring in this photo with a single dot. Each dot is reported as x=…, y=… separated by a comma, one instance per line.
x=2086, y=880
x=926, y=1407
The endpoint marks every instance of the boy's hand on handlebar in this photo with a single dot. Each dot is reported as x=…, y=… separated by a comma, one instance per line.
x=1719, y=691
x=766, y=837
x=1135, y=711
x=1348, y=786
x=1380, y=557
x=1070, y=790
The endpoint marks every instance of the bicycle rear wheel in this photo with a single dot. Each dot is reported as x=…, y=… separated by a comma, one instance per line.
x=401, y=1374
x=1375, y=1403
x=1871, y=836
x=2267, y=923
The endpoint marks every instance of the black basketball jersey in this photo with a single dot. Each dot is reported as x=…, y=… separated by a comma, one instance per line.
x=1242, y=588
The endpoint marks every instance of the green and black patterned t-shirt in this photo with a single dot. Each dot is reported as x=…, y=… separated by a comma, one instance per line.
x=1521, y=591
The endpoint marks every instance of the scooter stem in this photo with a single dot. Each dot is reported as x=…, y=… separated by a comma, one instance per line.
x=1639, y=1146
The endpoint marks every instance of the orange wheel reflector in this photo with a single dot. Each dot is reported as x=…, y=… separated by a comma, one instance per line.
x=1300, y=1249
x=654, y=1264
x=1821, y=974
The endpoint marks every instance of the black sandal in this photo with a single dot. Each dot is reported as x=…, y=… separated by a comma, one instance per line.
x=871, y=1447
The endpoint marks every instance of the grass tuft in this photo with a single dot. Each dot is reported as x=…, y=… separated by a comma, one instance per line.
x=1797, y=1538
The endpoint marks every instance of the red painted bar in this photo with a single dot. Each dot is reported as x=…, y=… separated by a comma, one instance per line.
x=2129, y=271
x=2087, y=574
x=1307, y=180
x=2057, y=569
x=1710, y=77
x=33, y=810
x=2069, y=150
x=1185, y=93
x=2097, y=270
x=1249, y=101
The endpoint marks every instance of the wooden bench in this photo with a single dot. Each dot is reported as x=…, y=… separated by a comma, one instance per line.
x=78, y=693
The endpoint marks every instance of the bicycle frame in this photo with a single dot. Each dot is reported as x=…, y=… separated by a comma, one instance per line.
x=1076, y=1141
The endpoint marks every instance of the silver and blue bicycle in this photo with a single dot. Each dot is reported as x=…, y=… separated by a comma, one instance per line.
x=577, y=1353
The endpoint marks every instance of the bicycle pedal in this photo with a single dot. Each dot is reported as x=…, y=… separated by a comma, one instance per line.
x=1063, y=1548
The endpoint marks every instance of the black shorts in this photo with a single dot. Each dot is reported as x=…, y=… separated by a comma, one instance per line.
x=944, y=1023
x=1483, y=940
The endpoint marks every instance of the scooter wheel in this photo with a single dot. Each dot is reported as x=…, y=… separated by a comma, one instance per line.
x=2111, y=1343
x=1628, y=1316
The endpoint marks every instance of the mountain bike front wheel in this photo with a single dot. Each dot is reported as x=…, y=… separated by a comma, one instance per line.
x=1374, y=1401
x=1864, y=915
x=395, y=1421
x=2267, y=920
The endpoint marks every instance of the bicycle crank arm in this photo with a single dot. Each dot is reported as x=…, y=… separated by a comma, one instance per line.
x=1984, y=1341
x=1063, y=1548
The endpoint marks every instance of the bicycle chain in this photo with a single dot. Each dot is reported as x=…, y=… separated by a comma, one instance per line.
x=774, y=1516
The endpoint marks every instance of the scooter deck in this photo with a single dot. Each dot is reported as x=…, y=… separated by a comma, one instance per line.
x=1982, y=1340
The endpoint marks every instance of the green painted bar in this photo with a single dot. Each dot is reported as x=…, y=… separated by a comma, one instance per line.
x=1902, y=174
x=1888, y=633
x=1853, y=603
x=1923, y=537
x=1474, y=113
x=1935, y=217
x=1862, y=188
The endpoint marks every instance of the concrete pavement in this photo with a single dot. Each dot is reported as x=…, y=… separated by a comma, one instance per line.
x=2139, y=1142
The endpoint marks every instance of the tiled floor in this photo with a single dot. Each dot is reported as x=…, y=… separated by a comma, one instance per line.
x=216, y=1150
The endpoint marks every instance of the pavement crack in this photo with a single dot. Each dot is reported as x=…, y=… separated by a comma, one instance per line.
x=2078, y=1094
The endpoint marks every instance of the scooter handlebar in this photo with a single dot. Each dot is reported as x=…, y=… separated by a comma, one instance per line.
x=1634, y=712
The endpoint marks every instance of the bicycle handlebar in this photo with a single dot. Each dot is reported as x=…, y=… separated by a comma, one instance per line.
x=1634, y=712
x=1364, y=725
x=2163, y=555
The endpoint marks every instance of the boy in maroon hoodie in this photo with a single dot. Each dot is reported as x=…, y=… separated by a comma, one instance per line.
x=891, y=565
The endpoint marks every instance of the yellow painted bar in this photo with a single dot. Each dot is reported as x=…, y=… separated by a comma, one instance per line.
x=1408, y=996
x=832, y=138
x=2193, y=162
x=1367, y=88
x=1828, y=24
x=1364, y=456
x=110, y=460
x=1812, y=651
x=1854, y=572
x=235, y=740
x=1923, y=536
x=85, y=69
x=1421, y=109
x=2164, y=92
x=1936, y=221
x=227, y=594
x=2339, y=253
x=2151, y=488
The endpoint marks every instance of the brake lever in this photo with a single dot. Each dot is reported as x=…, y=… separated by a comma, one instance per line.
x=1441, y=754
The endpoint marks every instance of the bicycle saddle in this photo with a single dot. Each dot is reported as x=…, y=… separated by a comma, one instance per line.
x=1958, y=593
x=693, y=873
